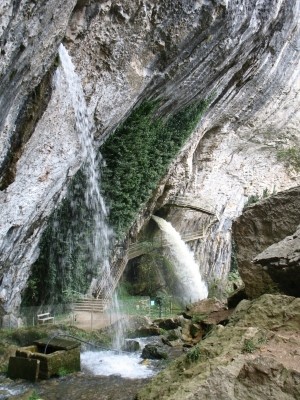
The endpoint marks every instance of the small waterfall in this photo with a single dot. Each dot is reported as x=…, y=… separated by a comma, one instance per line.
x=101, y=235
x=193, y=288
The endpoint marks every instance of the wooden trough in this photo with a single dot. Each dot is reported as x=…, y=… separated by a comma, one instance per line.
x=32, y=362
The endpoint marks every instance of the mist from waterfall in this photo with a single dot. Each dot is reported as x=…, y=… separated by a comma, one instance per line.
x=101, y=233
x=192, y=287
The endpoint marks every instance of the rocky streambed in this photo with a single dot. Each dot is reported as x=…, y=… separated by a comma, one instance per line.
x=75, y=386
x=251, y=352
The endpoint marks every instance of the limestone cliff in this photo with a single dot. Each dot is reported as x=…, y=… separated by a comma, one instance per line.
x=243, y=54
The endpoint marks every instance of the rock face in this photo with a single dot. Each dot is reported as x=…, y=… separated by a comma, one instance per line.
x=266, y=258
x=281, y=260
x=241, y=55
x=254, y=357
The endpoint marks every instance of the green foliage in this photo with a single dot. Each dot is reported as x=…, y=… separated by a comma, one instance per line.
x=249, y=346
x=252, y=199
x=233, y=258
x=193, y=355
x=290, y=156
x=137, y=156
x=34, y=396
x=255, y=198
x=63, y=372
x=64, y=265
x=196, y=318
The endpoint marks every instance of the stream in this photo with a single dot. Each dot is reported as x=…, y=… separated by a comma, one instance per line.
x=104, y=375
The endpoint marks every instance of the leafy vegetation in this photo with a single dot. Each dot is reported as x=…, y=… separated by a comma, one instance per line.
x=34, y=396
x=63, y=372
x=193, y=355
x=64, y=265
x=255, y=198
x=290, y=156
x=137, y=156
x=150, y=274
x=249, y=346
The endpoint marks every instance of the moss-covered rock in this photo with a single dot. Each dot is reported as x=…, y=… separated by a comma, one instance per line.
x=255, y=356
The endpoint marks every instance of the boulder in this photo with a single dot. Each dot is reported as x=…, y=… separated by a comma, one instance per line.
x=167, y=323
x=153, y=352
x=131, y=345
x=282, y=262
x=204, y=307
x=261, y=226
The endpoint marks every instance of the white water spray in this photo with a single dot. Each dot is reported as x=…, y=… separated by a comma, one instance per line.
x=107, y=363
x=102, y=235
x=193, y=288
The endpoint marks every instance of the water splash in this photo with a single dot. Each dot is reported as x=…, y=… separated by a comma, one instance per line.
x=192, y=287
x=102, y=234
x=107, y=363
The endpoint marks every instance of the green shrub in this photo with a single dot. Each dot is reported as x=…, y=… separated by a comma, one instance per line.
x=137, y=156
x=65, y=263
x=290, y=156
x=63, y=372
x=252, y=199
x=34, y=396
x=249, y=346
x=193, y=355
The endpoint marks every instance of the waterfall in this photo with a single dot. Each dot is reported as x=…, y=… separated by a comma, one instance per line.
x=192, y=287
x=101, y=233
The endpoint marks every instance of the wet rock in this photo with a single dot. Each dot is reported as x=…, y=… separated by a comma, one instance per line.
x=154, y=352
x=131, y=345
x=177, y=51
x=217, y=317
x=172, y=343
x=168, y=323
x=196, y=330
x=146, y=331
x=174, y=334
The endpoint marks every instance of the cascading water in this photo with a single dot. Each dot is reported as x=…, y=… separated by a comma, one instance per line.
x=193, y=288
x=101, y=234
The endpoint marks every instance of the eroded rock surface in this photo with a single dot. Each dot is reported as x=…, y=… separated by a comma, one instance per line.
x=242, y=55
x=255, y=356
x=282, y=262
x=266, y=260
